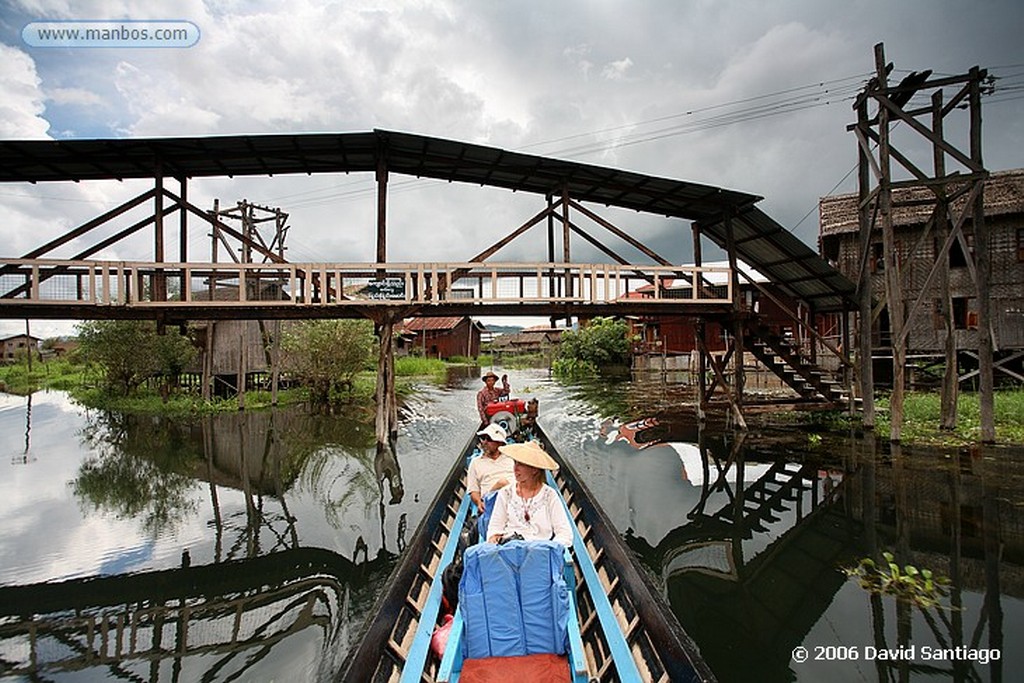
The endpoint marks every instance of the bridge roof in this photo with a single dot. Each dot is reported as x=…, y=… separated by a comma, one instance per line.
x=786, y=260
x=405, y=153
x=764, y=244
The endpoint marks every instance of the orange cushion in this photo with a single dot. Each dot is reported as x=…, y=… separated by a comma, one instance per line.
x=544, y=668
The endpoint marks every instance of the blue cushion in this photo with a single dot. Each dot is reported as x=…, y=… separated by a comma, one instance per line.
x=485, y=517
x=513, y=599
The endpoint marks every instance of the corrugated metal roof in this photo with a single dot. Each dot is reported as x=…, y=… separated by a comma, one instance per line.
x=785, y=260
x=405, y=153
x=431, y=324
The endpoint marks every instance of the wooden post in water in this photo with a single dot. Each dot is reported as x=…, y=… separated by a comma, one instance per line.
x=737, y=324
x=983, y=264
x=950, y=382
x=865, y=216
x=242, y=353
x=386, y=420
x=891, y=258
x=698, y=346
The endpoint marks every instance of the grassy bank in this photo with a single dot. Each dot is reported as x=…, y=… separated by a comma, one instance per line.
x=84, y=386
x=53, y=374
x=921, y=412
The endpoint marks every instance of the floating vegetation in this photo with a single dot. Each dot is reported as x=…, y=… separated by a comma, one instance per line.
x=919, y=586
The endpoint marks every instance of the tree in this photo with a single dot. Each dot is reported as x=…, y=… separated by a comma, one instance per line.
x=604, y=342
x=325, y=354
x=131, y=351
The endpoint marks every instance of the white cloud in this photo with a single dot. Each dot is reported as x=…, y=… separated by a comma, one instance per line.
x=22, y=105
x=670, y=89
x=78, y=96
x=615, y=71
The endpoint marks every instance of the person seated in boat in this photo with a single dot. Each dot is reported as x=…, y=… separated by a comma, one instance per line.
x=490, y=393
x=492, y=470
x=528, y=507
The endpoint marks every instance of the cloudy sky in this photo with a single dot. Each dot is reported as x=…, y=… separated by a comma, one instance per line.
x=744, y=94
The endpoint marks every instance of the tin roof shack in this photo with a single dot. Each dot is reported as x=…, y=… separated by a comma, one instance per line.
x=1004, y=219
x=15, y=347
x=442, y=338
x=539, y=339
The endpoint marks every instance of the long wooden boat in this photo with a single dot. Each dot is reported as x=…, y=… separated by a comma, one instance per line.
x=627, y=630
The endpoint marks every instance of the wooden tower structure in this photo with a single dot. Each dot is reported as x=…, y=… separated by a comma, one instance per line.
x=881, y=107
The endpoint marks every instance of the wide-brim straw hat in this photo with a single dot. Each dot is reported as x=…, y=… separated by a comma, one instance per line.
x=530, y=453
x=488, y=374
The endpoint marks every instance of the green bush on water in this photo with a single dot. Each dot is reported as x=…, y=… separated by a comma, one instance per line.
x=919, y=586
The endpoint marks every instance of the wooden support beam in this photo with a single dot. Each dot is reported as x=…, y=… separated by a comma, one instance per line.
x=893, y=284
x=551, y=250
x=699, y=331
x=737, y=310
x=548, y=212
x=382, y=204
x=183, y=222
x=986, y=341
x=1000, y=365
x=566, y=254
x=866, y=221
x=87, y=226
x=719, y=371
x=629, y=239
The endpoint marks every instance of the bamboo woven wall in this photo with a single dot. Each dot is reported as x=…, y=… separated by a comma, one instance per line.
x=1004, y=208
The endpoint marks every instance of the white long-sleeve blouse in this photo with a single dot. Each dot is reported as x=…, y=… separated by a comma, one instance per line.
x=539, y=518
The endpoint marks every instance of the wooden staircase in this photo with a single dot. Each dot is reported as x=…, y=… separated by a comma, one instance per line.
x=785, y=359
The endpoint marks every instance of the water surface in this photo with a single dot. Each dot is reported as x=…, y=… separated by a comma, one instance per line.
x=253, y=545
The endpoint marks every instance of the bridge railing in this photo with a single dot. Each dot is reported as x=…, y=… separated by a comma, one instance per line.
x=123, y=283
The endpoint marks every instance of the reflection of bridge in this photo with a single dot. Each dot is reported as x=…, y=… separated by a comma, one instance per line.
x=224, y=618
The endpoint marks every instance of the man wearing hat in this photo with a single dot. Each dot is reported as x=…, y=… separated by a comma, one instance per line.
x=492, y=470
x=528, y=507
x=490, y=393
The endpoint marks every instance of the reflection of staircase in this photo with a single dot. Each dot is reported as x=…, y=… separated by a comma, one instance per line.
x=783, y=358
x=775, y=492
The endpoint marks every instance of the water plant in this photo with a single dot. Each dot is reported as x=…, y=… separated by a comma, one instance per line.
x=918, y=586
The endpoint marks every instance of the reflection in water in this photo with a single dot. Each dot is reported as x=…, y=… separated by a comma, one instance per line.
x=225, y=609
x=749, y=610
x=748, y=537
x=245, y=619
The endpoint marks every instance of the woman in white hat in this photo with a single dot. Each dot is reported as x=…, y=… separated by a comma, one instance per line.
x=528, y=506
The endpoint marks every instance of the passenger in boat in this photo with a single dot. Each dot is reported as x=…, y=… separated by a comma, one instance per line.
x=491, y=393
x=492, y=470
x=529, y=507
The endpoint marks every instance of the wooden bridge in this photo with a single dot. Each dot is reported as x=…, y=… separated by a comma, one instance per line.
x=41, y=288
x=261, y=283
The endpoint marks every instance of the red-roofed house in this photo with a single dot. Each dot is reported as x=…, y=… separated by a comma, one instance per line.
x=675, y=334
x=442, y=337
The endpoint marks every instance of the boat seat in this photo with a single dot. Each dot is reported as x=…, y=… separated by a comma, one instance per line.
x=514, y=600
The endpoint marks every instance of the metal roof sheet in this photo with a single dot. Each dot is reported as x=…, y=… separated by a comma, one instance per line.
x=405, y=153
x=786, y=260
